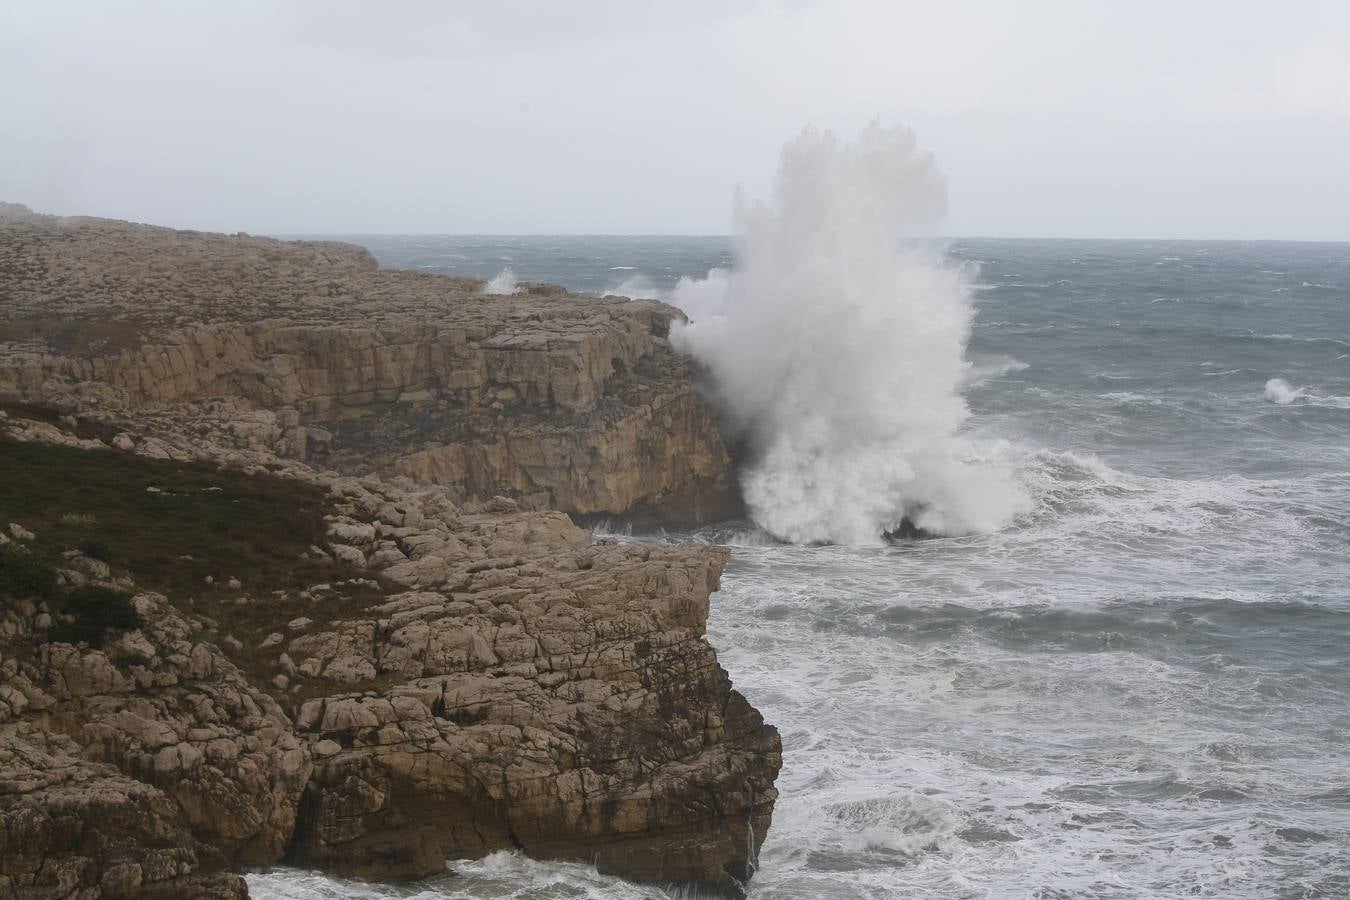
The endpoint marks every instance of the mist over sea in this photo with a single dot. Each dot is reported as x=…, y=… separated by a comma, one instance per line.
x=1136, y=686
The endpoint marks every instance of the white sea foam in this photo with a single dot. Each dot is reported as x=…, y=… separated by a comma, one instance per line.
x=500, y=876
x=979, y=371
x=1279, y=391
x=837, y=343
x=503, y=283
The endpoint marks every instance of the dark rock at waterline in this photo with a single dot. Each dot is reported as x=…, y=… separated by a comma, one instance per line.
x=908, y=531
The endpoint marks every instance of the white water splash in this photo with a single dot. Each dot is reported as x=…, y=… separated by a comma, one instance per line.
x=503, y=283
x=837, y=343
x=1280, y=391
x=636, y=287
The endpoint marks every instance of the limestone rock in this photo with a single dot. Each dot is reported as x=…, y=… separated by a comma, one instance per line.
x=511, y=684
x=74, y=828
x=582, y=719
x=307, y=350
x=190, y=725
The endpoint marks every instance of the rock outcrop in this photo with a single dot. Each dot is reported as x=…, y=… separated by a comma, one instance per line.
x=72, y=828
x=565, y=402
x=450, y=666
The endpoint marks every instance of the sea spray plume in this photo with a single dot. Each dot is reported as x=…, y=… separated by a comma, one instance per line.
x=837, y=347
x=637, y=287
x=503, y=283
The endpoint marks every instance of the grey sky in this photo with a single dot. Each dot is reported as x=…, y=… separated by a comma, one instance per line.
x=1124, y=119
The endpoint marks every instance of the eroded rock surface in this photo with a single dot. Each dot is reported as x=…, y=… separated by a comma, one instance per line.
x=72, y=828
x=552, y=696
x=510, y=684
x=308, y=350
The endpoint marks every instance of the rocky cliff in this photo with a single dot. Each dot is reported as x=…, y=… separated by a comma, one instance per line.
x=465, y=679
x=309, y=350
x=286, y=574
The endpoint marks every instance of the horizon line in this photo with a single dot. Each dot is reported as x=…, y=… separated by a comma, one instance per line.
x=282, y=235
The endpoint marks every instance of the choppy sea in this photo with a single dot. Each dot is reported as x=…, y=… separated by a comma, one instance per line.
x=1138, y=688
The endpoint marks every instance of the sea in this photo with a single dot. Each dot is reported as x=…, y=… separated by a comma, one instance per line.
x=1137, y=687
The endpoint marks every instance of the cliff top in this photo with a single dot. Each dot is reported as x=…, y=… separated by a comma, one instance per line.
x=573, y=401
x=71, y=282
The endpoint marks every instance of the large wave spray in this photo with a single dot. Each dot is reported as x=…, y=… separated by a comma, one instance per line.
x=837, y=343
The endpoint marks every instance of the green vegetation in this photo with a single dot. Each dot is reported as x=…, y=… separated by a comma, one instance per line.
x=74, y=335
x=24, y=575
x=94, y=610
x=171, y=526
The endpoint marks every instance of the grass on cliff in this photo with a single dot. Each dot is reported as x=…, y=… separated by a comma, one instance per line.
x=73, y=335
x=171, y=525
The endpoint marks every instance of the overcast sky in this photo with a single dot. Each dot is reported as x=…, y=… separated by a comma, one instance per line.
x=1053, y=119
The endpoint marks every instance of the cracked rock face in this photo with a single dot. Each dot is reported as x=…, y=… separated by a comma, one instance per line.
x=532, y=690
x=187, y=722
x=584, y=718
x=73, y=828
x=545, y=694
x=308, y=350
x=499, y=681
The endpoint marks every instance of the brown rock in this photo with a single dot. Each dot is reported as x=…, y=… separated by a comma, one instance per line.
x=516, y=686
x=73, y=828
x=578, y=403
x=602, y=729
x=241, y=802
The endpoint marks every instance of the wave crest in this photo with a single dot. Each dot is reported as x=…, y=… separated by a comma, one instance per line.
x=1283, y=393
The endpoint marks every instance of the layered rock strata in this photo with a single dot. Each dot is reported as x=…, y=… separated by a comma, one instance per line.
x=72, y=828
x=565, y=402
x=513, y=686
x=500, y=681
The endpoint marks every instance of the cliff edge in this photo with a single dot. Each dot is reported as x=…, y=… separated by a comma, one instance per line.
x=242, y=622
x=310, y=350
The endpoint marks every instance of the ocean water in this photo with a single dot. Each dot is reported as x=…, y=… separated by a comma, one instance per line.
x=1139, y=686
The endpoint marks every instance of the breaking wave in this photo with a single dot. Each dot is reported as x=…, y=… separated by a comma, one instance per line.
x=1279, y=391
x=837, y=343
x=503, y=283
x=1282, y=392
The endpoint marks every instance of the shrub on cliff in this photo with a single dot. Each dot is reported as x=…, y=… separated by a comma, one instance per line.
x=24, y=575
x=184, y=529
x=96, y=611
x=170, y=524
